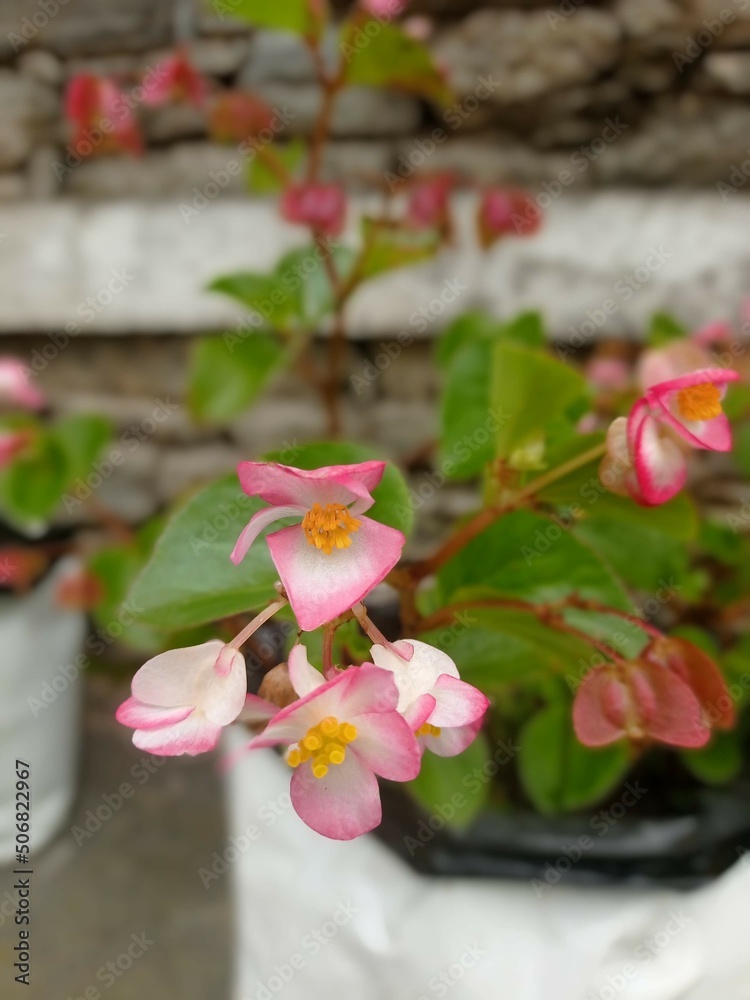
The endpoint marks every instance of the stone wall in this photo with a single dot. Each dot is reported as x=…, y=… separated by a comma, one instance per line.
x=535, y=81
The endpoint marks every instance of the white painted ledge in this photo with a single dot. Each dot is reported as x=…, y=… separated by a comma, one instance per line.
x=56, y=255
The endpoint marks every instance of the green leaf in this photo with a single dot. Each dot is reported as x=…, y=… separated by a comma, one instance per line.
x=445, y=785
x=189, y=579
x=468, y=421
x=116, y=568
x=293, y=16
x=304, y=274
x=225, y=378
x=719, y=762
x=741, y=449
x=32, y=486
x=527, y=329
x=531, y=390
x=528, y=556
x=663, y=329
x=499, y=646
x=468, y=328
x=393, y=504
x=387, y=247
x=82, y=438
x=259, y=293
x=262, y=179
x=557, y=772
x=391, y=58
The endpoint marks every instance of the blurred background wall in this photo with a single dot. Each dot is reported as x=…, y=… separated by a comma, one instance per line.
x=628, y=122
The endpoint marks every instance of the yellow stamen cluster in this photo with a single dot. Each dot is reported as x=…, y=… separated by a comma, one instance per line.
x=699, y=402
x=323, y=745
x=329, y=527
x=428, y=730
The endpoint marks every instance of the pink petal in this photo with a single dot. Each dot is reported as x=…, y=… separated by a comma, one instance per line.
x=600, y=709
x=136, y=715
x=257, y=523
x=343, y=805
x=225, y=696
x=660, y=465
x=671, y=713
x=452, y=741
x=192, y=736
x=387, y=746
x=303, y=675
x=320, y=587
x=177, y=677
x=714, y=434
x=419, y=711
x=363, y=690
x=283, y=484
x=257, y=710
x=415, y=674
x=457, y=703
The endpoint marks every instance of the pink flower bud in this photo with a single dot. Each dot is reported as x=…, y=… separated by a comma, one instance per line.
x=175, y=79
x=506, y=212
x=15, y=388
x=429, y=203
x=102, y=118
x=320, y=206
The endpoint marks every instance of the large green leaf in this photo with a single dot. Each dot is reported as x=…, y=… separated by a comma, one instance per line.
x=529, y=556
x=393, y=504
x=83, y=438
x=32, y=486
x=189, y=579
x=557, y=772
x=262, y=295
x=225, y=378
x=531, y=390
x=448, y=787
x=388, y=57
x=469, y=424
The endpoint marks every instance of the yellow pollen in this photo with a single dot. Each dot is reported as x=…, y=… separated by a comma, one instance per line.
x=699, y=402
x=329, y=527
x=428, y=730
x=323, y=745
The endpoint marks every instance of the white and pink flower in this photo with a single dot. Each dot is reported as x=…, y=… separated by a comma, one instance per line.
x=334, y=556
x=183, y=698
x=646, y=452
x=445, y=712
x=340, y=735
x=15, y=386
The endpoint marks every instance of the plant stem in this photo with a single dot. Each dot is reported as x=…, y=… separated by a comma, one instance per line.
x=255, y=624
x=486, y=517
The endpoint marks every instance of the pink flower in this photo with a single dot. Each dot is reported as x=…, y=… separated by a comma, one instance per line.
x=713, y=334
x=608, y=373
x=236, y=116
x=646, y=453
x=334, y=556
x=691, y=406
x=662, y=364
x=445, y=712
x=640, y=701
x=341, y=734
x=506, y=212
x=175, y=79
x=12, y=443
x=321, y=206
x=674, y=693
x=181, y=699
x=15, y=387
x=384, y=9
x=102, y=118
x=428, y=206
